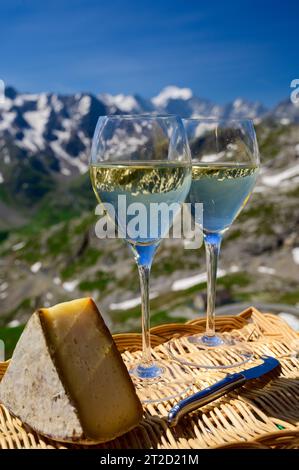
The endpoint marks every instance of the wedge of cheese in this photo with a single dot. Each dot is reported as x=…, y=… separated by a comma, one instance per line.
x=66, y=378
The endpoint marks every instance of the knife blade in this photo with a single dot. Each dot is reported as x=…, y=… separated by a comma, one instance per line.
x=229, y=383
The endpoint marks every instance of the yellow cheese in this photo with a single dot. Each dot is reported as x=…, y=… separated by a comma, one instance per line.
x=67, y=379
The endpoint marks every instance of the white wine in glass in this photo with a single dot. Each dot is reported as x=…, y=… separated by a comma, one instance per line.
x=146, y=160
x=225, y=164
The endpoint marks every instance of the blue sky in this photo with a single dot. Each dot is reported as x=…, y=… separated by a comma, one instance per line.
x=221, y=49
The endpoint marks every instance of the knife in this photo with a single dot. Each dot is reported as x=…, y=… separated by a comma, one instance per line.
x=229, y=383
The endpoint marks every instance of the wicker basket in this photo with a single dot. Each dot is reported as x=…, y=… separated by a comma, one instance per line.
x=265, y=417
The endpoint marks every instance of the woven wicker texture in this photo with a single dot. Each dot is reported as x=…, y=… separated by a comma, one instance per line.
x=260, y=417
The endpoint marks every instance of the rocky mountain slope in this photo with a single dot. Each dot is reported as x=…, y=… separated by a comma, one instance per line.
x=48, y=250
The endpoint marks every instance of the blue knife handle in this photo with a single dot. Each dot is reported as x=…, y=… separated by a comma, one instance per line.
x=230, y=382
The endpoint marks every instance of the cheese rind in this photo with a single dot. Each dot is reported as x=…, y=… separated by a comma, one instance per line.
x=32, y=389
x=67, y=379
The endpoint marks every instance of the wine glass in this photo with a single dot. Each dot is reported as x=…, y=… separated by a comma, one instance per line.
x=138, y=162
x=225, y=163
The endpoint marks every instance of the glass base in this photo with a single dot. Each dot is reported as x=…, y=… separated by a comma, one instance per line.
x=207, y=341
x=220, y=351
x=159, y=382
x=154, y=371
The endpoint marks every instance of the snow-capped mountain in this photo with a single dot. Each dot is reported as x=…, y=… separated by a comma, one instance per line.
x=56, y=130
x=126, y=103
x=240, y=108
x=60, y=126
x=182, y=101
x=171, y=93
x=286, y=112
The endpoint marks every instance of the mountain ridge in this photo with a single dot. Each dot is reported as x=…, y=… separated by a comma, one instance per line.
x=61, y=126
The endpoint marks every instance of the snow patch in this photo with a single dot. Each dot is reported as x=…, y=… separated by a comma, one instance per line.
x=84, y=105
x=36, y=267
x=266, y=270
x=66, y=171
x=213, y=157
x=238, y=103
x=7, y=159
x=57, y=281
x=295, y=253
x=234, y=268
x=56, y=103
x=171, y=92
x=7, y=119
x=42, y=101
x=5, y=104
x=70, y=286
x=14, y=323
x=18, y=246
x=130, y=303
x=259, y=189
x=201, y=129
x=3, y=286
x=257, y=121
x=19, y=100
x=27, y=141
x=127, y=304
x=125, y=103
x=192, y=281
x=37, y=119
x=121, y=144
x=275, y=180
x=67, y=124
x=72, y=161
x=291, y=320
x=84, y=139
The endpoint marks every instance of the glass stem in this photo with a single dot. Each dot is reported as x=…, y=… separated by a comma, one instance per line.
x=144, y=257
x=144, y=276
x=212, y=246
